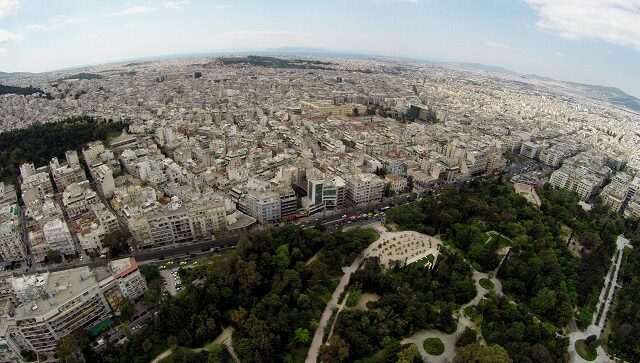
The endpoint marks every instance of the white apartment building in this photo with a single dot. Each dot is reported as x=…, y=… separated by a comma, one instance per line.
x=36, y=186
x=103, y=177
x=58, y=237
x=263, y=205
x=12, y=248
x=128, y=277
x=7, y=194
x=45, y=307
x=78, y=198
x=364, y=188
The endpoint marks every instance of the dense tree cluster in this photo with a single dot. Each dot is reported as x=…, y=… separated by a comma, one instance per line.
x=4, y=89
x=411, y=298
x=272, y=290
x=38, y=143
x=84, y=75
x=539, y=271
x=526, y=340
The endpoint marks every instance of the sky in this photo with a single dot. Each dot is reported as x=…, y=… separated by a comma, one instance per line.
x=587, y=41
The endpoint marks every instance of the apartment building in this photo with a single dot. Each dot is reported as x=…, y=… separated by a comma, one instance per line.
x=58, y=237
x=43, y=308
x=264, y=206
x=8, y=194
x=126, y=274
x=12, y=248
x=78, y=198
x=364, y=188
x=530, y=149
x=175, y=223
x=36, y=186
x=397, y=184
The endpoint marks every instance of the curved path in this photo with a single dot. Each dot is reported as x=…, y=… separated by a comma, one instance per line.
x=464, y=321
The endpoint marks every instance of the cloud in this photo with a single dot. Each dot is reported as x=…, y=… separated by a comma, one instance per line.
x=613, y=21
x=60, y=20
x=9, y=37
x=494, y=44
x=8, y=7
x=133, y=11
x=33, y=27
x=261, y=33
x=380, y=2
x=178, y=4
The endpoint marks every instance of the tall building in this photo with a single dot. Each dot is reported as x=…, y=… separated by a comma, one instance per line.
x=71, y=172
x=126, y=274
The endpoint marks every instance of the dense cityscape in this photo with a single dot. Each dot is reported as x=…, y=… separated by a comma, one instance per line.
x=201, y=163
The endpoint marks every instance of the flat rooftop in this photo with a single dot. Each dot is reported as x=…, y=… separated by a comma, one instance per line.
x=60, y=286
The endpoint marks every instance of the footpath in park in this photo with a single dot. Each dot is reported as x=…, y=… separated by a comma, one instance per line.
x=602, y=308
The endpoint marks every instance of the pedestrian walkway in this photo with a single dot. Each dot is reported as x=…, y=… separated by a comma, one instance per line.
x=602, y=308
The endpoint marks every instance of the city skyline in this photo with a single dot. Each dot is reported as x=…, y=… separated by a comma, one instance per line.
x=565, y=40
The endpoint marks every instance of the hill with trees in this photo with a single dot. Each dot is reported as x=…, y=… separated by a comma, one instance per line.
x=38, y=143
x=4, y=90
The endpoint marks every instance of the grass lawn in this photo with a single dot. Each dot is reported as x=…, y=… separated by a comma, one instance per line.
x=486, y=283
x=584, y=352
x=433, y=346
x=423, y=262
x=502, y=240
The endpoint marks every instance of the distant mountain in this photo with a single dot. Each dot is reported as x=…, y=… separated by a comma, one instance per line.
x=603, y=93
x=483, y=67
x=12, y=74
x=609, y=94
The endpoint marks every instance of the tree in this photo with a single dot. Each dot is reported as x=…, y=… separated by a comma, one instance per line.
x=477, y=353
x=69, y=348
x=336, y=350
x=302, y=336
x=126, y=309
x=282, y=257
x=544, y=300
x=53, y=256
x=356, y=112
x=467, y=337
x=116, y=242
x=388, y=192
x=409, y=354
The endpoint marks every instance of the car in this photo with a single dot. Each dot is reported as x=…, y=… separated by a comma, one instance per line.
x=183, y=263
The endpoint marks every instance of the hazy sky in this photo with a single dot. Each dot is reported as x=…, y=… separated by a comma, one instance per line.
x=590, y=41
